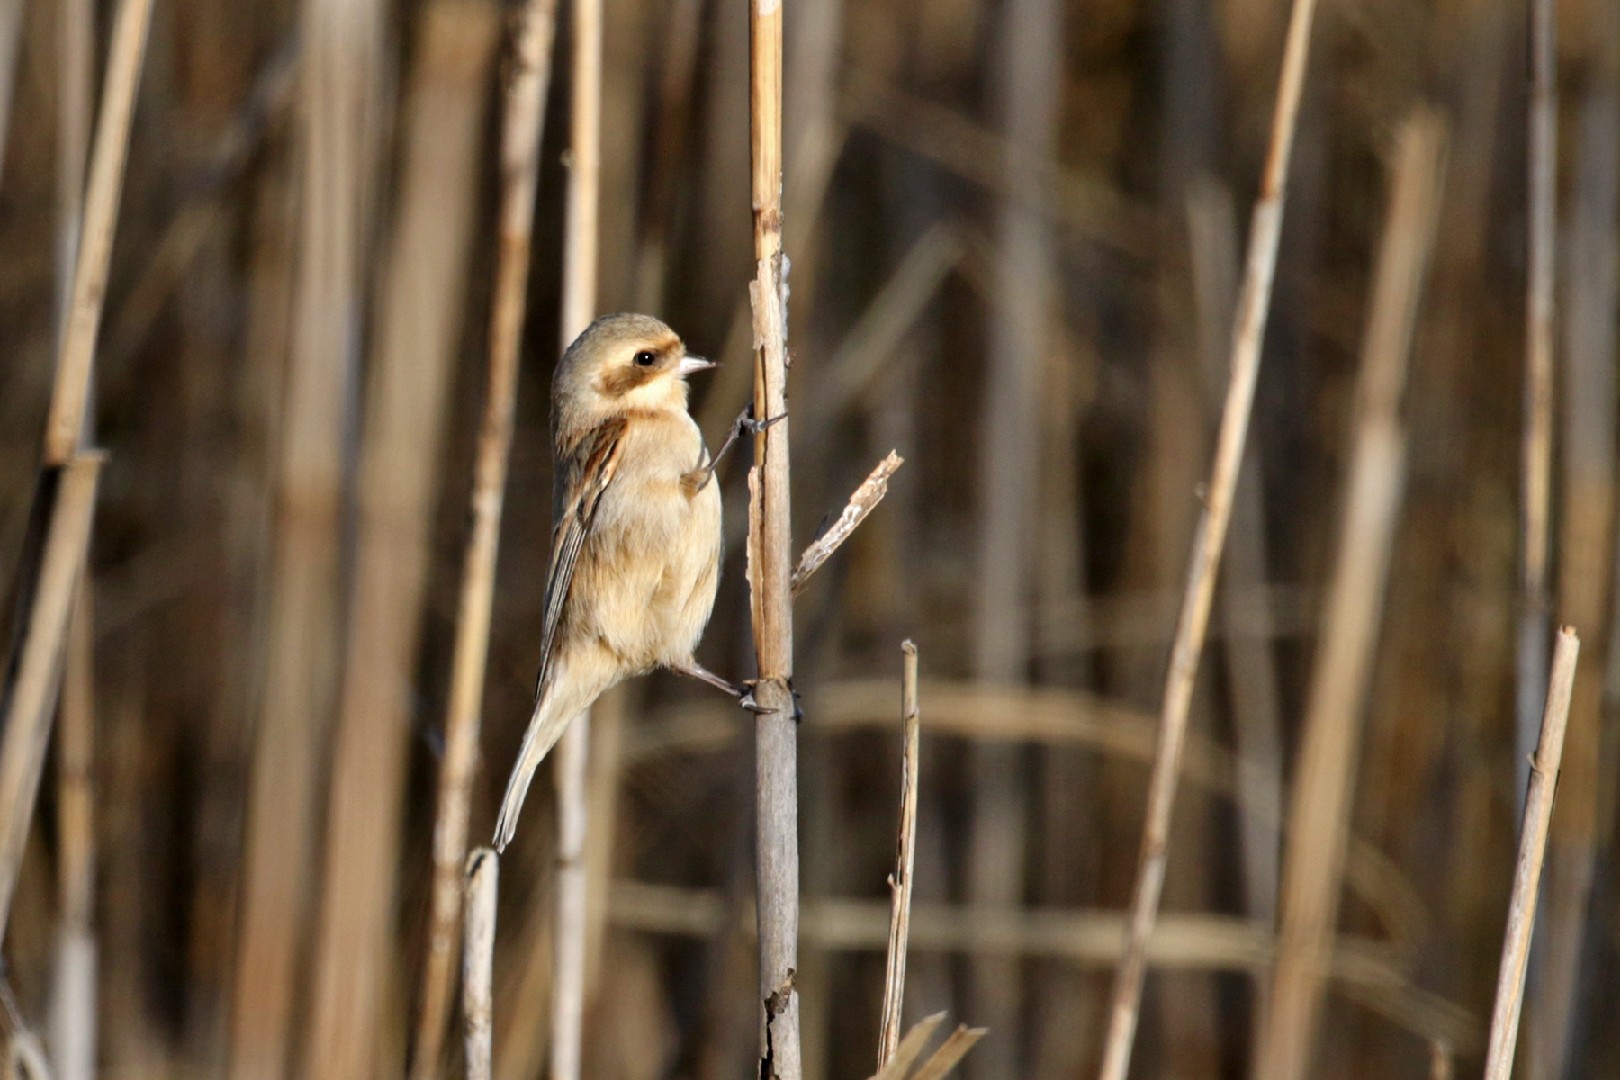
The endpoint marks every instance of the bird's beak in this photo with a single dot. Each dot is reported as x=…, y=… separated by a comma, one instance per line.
x=691, y=365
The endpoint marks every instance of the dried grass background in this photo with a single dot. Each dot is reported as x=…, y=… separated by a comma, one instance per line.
x=1016, y=237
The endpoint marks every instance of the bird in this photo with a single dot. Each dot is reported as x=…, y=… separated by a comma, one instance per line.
x=635, y=545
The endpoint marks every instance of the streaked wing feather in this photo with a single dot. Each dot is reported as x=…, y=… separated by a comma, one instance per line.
x=585, y=475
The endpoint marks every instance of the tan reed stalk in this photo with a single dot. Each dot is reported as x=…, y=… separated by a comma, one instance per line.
x=900, y=884
x=1319, y=817
x=338, y=83
x=76, y=41
x=1535, y=493
x=73, y=992
x=581, y=269
x=417, y=333
x=478, y=962
x=1538, y=805
x=770, y=570
x=1021, y=312
x=73, y=1010
x=950, y=1053
x=69, y=494
x=862, y=501
x=1248, y=332
x=111, y=149
x=1585, y=560
x=524, y=112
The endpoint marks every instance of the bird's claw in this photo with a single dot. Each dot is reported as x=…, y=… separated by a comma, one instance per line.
x=750, y=703
x=757, y=427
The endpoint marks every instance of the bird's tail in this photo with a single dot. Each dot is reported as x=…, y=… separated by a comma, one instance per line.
x=554, y=709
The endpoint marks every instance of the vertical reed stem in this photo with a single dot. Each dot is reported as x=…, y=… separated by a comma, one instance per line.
x=770, y=568
x=581, y=244
x=894, y=982
x=1248, y=332
x=521, y=131
x=478, y=962
x=1536, y=451
x=1319, y=815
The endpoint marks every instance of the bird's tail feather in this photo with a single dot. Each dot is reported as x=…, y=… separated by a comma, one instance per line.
x=553, y=712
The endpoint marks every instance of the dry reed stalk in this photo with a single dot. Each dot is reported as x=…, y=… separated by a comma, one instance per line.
x=900, y=883
x=862, y=501
x=1319, y=817
x=69, y=493
x=1585, y=558
x=1367, y=970
x=22, y=1056
x=581, y=263
x=73, y=1009
x=1538, y=806
x=1535, y=491
x=338, y=81
x=111, y=149
x=1248, y=331
x=949, y=1053
x=1021, y=312
x=770, y=570
x=573, y=894
x=76, y=41
x=478, y=962
x=418, y=328
x=527, y=86
x=73, y=991
x=1250, y=660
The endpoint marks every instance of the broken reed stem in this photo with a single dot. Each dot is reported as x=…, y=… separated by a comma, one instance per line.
x=482, y=880
x=69, y=398
x=894, y=981
x=1536, y=450
x=1319, y=816
x=862, y=501
x=1538, y=806
x=524, y=114
x=581, y=246
x=70, y=494
x=770, y=570
x=1248, y=332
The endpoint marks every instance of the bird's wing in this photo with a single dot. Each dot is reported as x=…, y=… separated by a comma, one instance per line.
x=583, y=476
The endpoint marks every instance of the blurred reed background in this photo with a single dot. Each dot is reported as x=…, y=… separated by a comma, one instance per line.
x=1016, y=233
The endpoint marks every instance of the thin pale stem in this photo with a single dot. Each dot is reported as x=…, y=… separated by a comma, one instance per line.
x=482, y=882
x=1538, y=805
x=1254, y=302
x=894, y=983
x=520, y=163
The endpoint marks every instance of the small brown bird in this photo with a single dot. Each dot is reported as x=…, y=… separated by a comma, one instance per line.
x=635, y=550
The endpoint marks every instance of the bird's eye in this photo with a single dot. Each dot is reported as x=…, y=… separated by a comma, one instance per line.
x=645, y=359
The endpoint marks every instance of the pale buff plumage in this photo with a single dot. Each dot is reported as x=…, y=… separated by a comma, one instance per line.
x=636, y=544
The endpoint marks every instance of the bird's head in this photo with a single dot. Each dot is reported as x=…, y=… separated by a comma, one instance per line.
x=619, y=364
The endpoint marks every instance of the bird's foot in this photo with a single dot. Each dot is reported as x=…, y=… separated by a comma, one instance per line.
x=749, y=702
x=745, y=424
